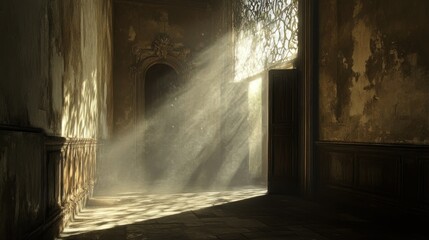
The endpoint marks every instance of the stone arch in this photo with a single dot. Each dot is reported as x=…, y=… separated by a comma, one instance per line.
x=140, y=78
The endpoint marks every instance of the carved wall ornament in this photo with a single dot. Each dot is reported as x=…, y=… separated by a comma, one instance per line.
x=163, y=49
x=162, y=45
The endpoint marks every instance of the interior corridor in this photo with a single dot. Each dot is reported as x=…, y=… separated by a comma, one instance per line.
x=156, y=119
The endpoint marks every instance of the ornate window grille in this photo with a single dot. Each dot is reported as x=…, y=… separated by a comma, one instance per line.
x=266, y=34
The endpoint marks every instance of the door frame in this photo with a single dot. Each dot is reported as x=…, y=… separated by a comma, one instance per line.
x=307, y=62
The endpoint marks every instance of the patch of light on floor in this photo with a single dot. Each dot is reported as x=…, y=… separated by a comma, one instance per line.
x=109, y=212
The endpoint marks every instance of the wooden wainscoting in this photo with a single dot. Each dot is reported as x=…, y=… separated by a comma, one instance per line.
x=424, y=161
x=44, y=181
x=71, y=167
x=22, y=185
x=382, y=175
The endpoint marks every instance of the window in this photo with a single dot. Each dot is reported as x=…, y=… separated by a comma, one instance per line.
x=266, y=34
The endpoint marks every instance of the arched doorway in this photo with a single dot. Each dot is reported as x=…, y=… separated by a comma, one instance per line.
x=160, y=112
x=161, y=81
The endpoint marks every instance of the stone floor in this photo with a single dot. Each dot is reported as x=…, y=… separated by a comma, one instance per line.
x=244, y=214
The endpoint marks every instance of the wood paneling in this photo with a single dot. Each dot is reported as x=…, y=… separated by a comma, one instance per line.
x=425, y=179
x=340, y=168
x=22, y=183
x=378, y=173
x=387, y=175
x=53, y=182
x=43, y=181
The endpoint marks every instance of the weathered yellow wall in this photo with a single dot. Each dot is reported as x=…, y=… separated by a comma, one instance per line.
x=81, y=57
x=374, y=71
x=55, y=66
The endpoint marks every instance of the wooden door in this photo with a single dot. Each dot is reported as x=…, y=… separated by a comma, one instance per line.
x=283, y=130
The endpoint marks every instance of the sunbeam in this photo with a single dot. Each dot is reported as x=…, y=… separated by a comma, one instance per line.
x=128, y=208
x=195, y=136
x=201, y=123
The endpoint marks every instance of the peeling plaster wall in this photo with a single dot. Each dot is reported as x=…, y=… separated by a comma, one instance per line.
x=55, y=66
x=81, y=59
x=374, y=71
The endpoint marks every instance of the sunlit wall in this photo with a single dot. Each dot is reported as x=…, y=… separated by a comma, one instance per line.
x=265, y=37
x=81, y=63
x=80, y=70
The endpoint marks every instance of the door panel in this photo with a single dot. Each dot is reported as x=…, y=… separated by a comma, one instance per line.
x=283, y=129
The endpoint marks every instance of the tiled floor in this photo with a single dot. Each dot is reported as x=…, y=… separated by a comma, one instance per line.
x=244, y=214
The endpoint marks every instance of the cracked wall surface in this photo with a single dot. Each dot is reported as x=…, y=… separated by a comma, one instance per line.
x=374, y=71
x=81, y=59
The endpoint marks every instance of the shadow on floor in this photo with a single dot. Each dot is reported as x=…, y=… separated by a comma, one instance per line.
x=245, y=215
